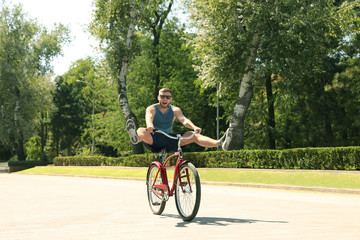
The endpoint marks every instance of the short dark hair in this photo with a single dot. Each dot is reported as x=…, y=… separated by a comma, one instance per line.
x=165, y=90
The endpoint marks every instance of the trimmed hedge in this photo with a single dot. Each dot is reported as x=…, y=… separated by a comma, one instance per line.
x=15, y=166
x=341, y=158
x=142, y=160
x=28, y=164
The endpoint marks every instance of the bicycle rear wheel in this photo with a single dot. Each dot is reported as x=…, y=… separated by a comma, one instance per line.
x=156, y=202
x=187, y=197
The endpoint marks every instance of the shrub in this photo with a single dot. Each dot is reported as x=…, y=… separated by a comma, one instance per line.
x=343, y=158
x=15, y=166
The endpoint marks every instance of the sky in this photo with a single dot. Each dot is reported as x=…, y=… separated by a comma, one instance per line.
x=74, y=13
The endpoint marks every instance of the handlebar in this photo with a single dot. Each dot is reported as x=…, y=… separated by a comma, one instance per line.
x=178, y=136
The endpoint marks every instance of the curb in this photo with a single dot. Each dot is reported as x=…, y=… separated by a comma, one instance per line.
x=248, y=185
x=288, y=187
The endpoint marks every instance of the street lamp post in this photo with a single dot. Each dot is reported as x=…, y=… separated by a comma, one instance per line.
x=93, y=113
x=217, y=113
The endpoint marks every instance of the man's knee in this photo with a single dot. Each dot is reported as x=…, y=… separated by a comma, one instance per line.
x=144, y=135
x=141, y=132
x=191, y=140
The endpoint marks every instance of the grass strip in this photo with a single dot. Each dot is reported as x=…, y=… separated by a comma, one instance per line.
x=333, y=179
x=90, y=171
x=304, y=178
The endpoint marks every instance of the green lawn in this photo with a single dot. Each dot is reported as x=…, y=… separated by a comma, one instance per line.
x=91, y=171
x=292, y=178
x=331, y=179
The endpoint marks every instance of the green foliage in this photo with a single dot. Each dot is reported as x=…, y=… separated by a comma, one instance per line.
x=143, y=160
x=301, y=42
x=176, y=73
x=15, y=166
x=311, y=48
x=68, y=119
x=27, y=164
x=110, y=25
x=33, y=149
x=109, y=121
x=303, y=158
x=26, y=52
x=345, y=158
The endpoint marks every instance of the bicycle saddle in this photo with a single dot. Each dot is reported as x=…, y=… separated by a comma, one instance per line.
x=160, y=153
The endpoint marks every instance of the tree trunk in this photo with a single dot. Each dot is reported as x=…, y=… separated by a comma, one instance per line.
x=245, y=94
x=123, y=100
x=43, y=134
x=69, y=152
x=271, y=112
x=57, y=146
x=156, y=42
x=20, y=135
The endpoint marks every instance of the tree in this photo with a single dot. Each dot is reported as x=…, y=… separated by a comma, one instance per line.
x=345, y=85
x=238, y=41
x=158, y=13
x=26, y=52
x=114, y=23
x=176, y=73
x=111, y=138
x=69, y=118
x=97, y=87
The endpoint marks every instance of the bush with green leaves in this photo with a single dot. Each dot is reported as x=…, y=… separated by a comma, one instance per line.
x=343, y=158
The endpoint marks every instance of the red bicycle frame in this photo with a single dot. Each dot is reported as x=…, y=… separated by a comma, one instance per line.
x=164, y=187
x=162, y=170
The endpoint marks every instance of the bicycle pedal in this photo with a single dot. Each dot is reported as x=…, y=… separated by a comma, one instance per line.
x=160, y=187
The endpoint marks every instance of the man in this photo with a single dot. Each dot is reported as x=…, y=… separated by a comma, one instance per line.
x=161, y=116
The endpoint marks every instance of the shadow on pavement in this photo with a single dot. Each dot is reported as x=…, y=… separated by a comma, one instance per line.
x=216, y=221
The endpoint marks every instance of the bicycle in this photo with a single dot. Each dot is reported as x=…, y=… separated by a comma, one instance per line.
x=186, y=183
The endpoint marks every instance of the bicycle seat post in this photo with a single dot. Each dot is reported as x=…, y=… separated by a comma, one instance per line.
x=163, y=155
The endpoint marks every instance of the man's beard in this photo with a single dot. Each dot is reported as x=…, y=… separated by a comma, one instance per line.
x=163, y=106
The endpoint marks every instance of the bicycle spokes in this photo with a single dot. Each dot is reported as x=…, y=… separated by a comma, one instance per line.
x=156, y=194
x=187, y=192
x=185, y=181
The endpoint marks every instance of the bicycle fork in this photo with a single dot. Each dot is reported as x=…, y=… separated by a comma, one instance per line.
x=187, y=183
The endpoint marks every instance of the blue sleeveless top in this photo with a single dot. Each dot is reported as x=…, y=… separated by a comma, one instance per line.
x=164, y=121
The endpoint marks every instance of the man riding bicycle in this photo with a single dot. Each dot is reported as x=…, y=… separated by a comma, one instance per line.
x=161, y=116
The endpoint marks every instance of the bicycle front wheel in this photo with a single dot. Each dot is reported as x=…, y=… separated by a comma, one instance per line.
x=157, y=203
x=188, y=192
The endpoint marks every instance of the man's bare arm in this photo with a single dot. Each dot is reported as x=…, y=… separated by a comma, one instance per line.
x=149, y=117
x=185, y=121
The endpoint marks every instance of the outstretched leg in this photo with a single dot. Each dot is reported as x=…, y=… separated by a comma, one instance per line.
x=201, y=140
x=205, y=141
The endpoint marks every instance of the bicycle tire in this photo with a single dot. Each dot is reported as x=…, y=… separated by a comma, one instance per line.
x=187, y=199
x=157, y=203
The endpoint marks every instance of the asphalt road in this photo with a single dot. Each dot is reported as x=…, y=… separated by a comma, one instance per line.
x=55, y=207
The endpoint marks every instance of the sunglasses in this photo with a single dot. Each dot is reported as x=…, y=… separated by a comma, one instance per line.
x=165, y=96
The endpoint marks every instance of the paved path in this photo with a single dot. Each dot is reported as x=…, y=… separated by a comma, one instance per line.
x=54, y=207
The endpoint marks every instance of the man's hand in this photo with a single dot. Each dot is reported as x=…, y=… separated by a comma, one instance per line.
x=197, y=129
x=150, y=130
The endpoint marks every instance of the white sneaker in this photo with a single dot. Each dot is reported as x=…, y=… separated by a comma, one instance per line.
x=225, y=140
x=131, y=129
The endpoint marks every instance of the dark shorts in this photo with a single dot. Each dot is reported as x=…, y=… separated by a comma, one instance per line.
x=160, y=142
